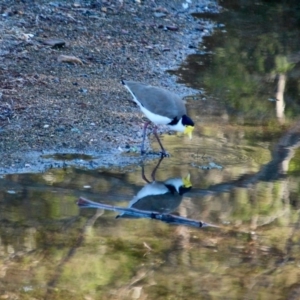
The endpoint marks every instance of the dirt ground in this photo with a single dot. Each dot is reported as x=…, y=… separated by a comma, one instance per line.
x=51, y=103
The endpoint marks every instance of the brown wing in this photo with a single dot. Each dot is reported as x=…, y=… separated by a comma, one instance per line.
x=157, y=100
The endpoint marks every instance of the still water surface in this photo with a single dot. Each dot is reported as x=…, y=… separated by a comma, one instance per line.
x=240, y=173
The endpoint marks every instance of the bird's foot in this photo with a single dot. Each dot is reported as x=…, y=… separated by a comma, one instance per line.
x=164, y=154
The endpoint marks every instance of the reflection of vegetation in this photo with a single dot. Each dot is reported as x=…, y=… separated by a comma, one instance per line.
x=266, y=133
x=256, y=48
x=241, y=76
x=294, y=165
x=282, y=64
x=230, y=80
x=121, y=259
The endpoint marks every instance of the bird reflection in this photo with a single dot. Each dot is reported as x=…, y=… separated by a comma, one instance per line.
x=156, y=200
x=159, y=196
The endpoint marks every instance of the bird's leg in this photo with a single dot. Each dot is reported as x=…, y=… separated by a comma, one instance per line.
x=143, y=174
x=144, y=136
x=156, y=168
x=163, y=151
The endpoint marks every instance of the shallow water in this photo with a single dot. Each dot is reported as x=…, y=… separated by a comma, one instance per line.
x=244, y=168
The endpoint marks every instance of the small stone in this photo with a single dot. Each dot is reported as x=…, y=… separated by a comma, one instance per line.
x=74, y=129
x=172, y=28
x=27, y=36
x=82, y=90
x=160, y=9
x=12, y=192
x=46, y=126
x=69, y=59
x=159, y=15
x=185, y=5
x=55, y=4
x=54, y=42
x=86, y=186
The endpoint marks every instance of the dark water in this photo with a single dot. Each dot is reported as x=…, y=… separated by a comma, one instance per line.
x=240, y=173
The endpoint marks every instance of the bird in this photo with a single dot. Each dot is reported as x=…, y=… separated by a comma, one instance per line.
x=161, y=107
x=159, y=196
x=163, y=197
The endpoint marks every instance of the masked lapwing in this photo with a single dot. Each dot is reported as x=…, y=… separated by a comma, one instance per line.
x=161, y=107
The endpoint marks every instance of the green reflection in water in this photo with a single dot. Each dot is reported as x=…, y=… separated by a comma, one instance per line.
x=252, y=65
x=49, y=249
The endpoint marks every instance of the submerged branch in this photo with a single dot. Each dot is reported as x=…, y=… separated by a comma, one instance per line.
x=167, y=218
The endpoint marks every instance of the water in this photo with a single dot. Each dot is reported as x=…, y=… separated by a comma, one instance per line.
x=243, y=164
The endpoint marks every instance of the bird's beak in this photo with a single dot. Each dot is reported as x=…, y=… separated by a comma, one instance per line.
x=188, y=130
x=186, y=181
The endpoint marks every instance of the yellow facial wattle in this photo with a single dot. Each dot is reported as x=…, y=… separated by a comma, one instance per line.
x=186, y=181
x=188, y=130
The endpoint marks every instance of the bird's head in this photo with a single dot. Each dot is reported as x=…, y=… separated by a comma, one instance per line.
x=179, y=185
x=188, y=124
x=186, y=185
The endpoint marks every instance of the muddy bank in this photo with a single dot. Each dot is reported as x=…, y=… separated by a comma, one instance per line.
x=52, y=104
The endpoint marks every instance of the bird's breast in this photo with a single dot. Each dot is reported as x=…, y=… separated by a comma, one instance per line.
x=156, y=119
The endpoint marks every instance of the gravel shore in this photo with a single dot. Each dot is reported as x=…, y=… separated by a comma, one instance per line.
x=61, y=65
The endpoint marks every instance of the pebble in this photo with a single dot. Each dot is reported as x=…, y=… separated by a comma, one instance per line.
x=172, y=28
x=159, y=15
x=74, y=129
x=11, y=192
x=55, y=4
x=54, y=42
x=69, y=59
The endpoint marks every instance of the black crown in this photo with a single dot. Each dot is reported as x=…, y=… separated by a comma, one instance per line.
x=187, y=121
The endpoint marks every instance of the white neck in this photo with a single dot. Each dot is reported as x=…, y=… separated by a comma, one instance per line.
x=178, y=127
